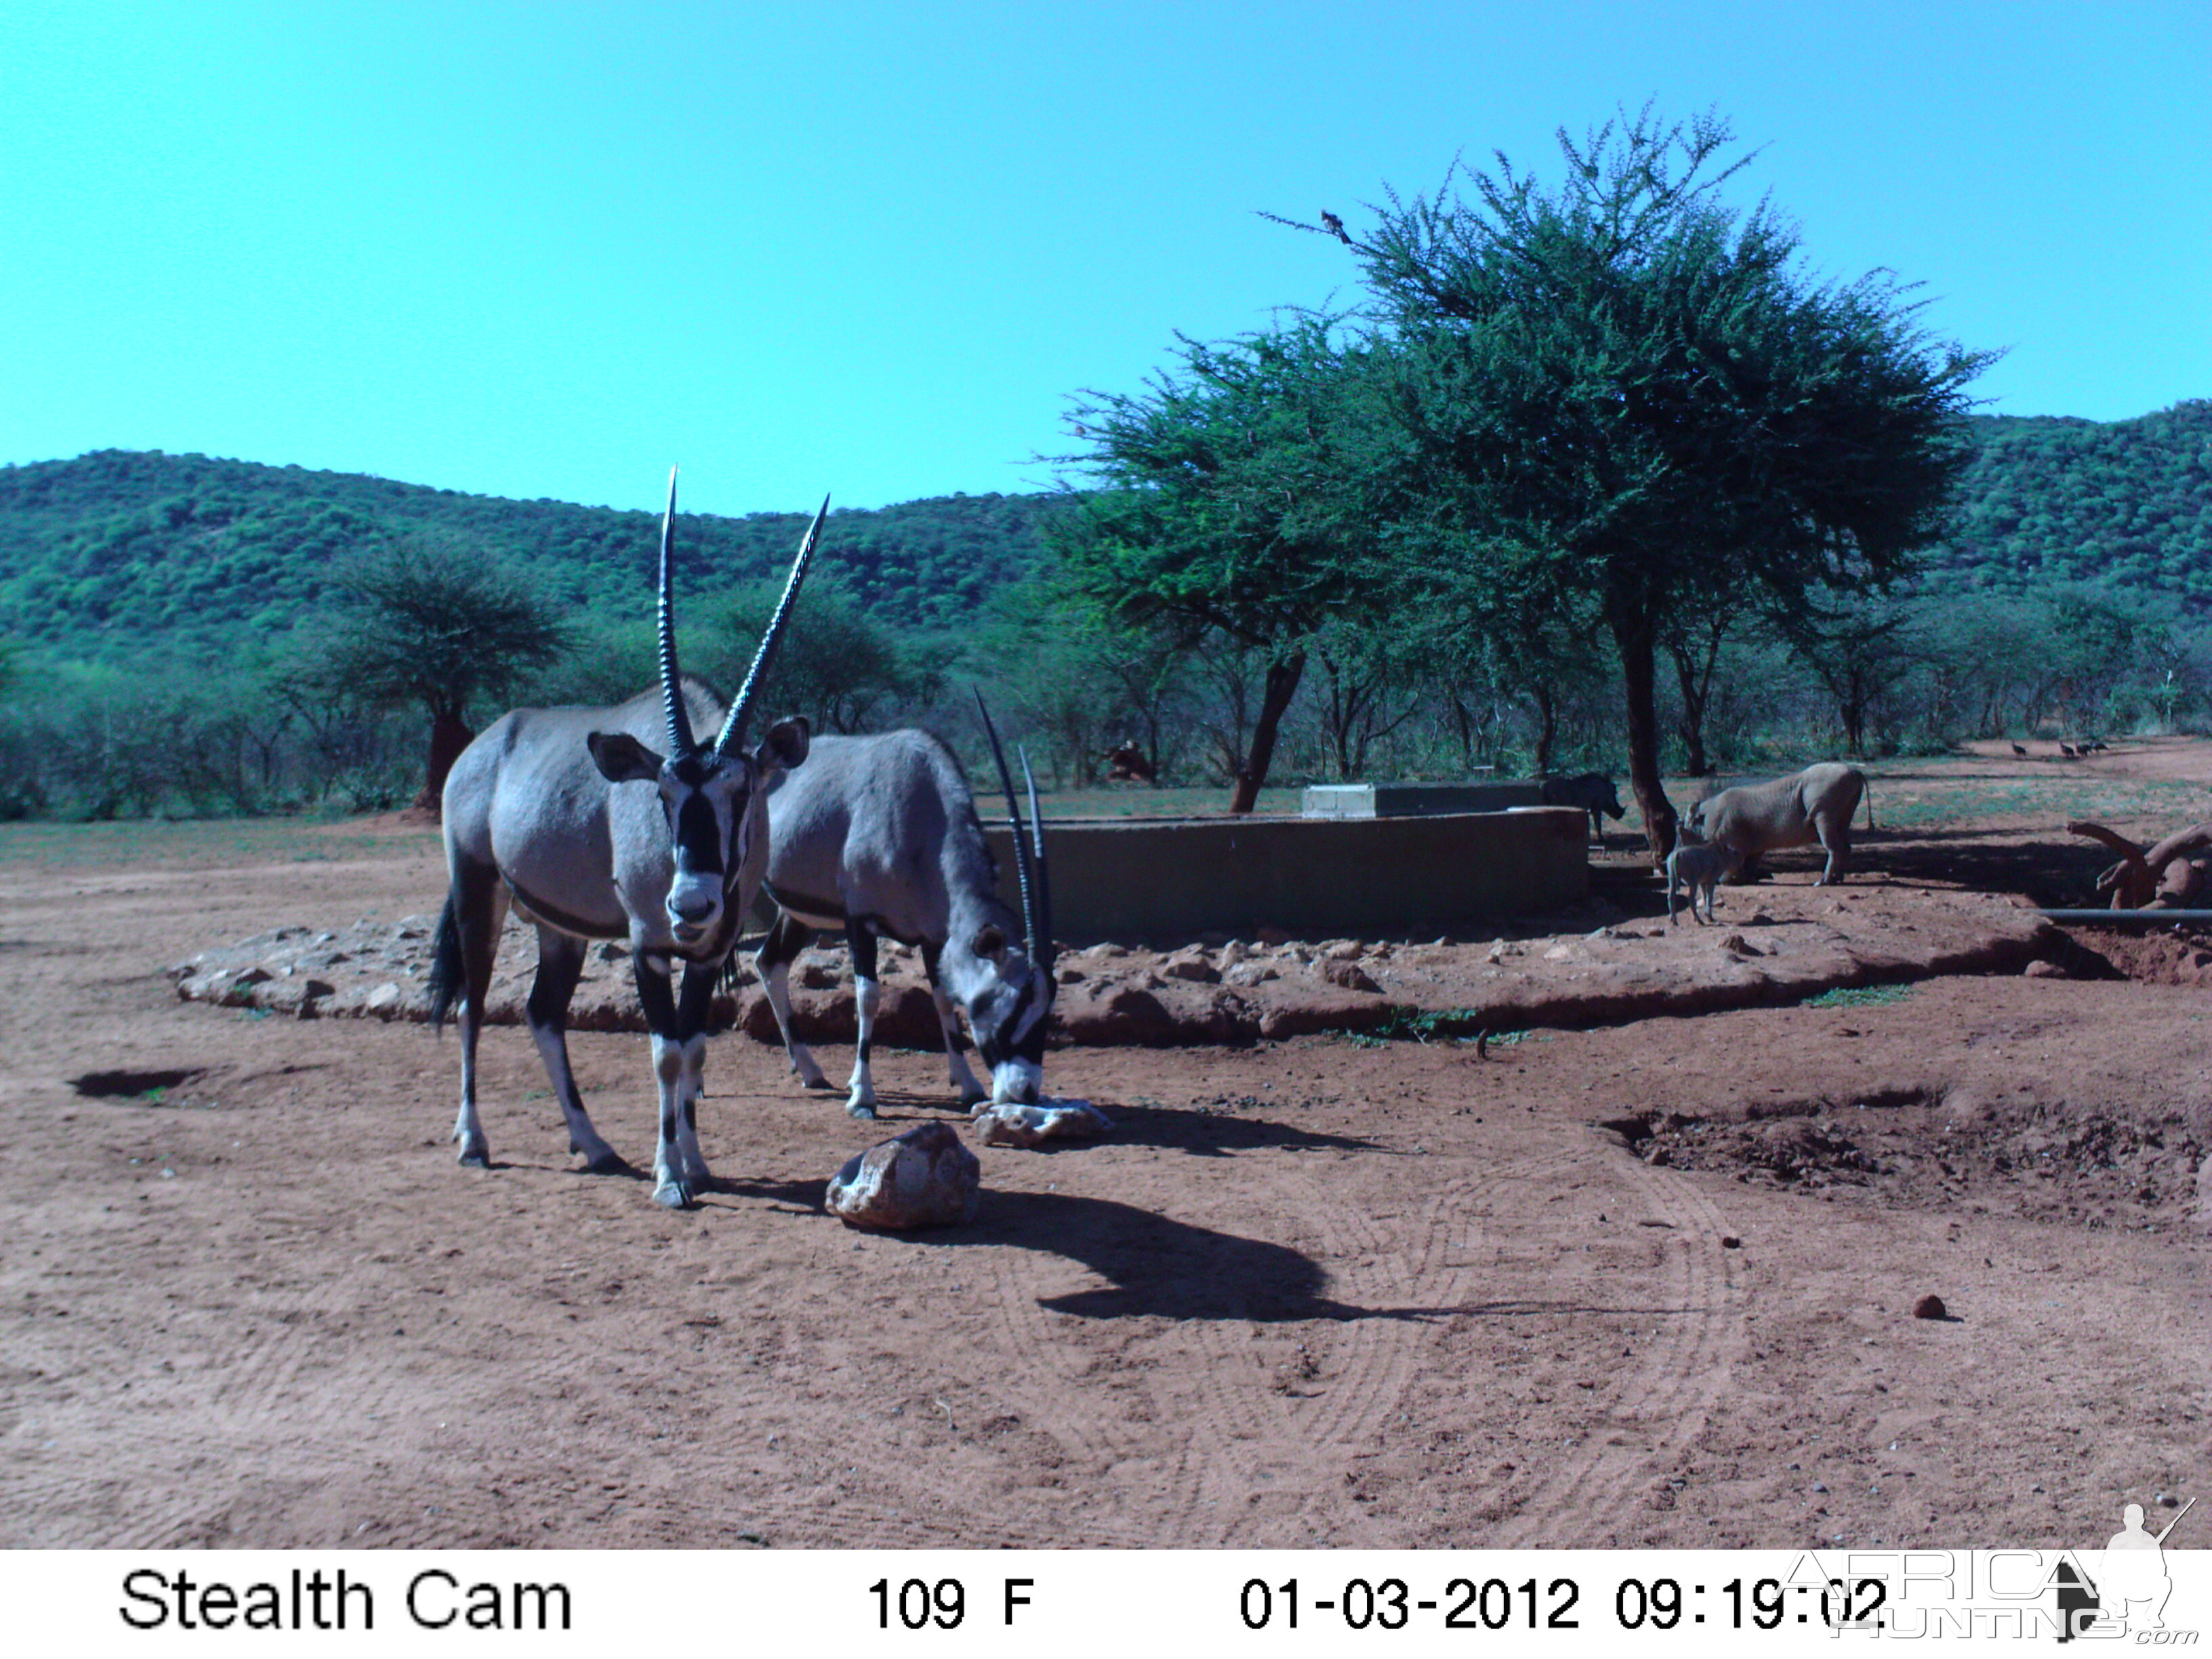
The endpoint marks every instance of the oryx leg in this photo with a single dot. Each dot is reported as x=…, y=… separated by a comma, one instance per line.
x=971, y=1090
x=868, y=995
x=772, y=962
x=560, y=965
x=679, y=1054
x=479, y=903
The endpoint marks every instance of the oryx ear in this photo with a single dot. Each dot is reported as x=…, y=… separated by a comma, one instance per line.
x=622, y=759
x=990, y=943
x=784, y=747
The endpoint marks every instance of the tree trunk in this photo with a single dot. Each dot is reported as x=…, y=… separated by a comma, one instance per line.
x=1282, y=685
x=449, y=735
x=1696, y=681
x=1633, y=636
x=1547, y=727
x=1853, y=706
x=1466, y=733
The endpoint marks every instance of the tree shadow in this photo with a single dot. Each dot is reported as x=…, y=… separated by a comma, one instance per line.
x=2055, y=874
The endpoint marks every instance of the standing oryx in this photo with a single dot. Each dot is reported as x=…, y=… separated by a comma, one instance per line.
x=878, y=837
x=596, y=836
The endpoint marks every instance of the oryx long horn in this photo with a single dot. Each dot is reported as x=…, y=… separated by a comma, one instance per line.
x=680, y=741
x=1041, y=930
x=734, y=726
x=1024, y=875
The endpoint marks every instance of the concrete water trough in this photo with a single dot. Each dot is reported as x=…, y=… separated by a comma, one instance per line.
x=1408, y=800
x=1169, y=880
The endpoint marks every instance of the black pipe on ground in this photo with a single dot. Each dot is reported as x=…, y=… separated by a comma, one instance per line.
x=2127, y=918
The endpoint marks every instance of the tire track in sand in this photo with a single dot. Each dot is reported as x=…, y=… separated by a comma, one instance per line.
x=1241, y=1451
x=1662, y=1406
x=249, y=1411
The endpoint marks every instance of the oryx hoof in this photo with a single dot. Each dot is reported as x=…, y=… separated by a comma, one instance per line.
x=476, y=1154
x=674, y=1194
x=864, y=1110
x=975, y=1101
x=606, y=1161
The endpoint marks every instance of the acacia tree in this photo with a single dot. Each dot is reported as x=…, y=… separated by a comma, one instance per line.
x=1081, y=682
x=1622, y=392
x=1225, y=504
x=1860, y=648
x=838, y=664
x=439, y=628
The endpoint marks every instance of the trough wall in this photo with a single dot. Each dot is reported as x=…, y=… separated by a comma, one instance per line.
x=1172, y=880
x=1403, y=800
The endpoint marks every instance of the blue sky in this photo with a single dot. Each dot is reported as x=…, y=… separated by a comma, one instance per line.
x=549, y=250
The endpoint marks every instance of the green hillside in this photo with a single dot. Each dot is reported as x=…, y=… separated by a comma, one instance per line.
x=2049, y=501
x=116, y=553
x=103, y=555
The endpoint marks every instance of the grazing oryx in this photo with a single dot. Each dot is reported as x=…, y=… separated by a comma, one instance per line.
x=597, y=837
x=879, y=835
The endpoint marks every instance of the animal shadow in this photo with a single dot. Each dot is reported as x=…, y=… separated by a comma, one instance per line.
x=807, y=1197
x=1219, y=1133
x=1154, y=1265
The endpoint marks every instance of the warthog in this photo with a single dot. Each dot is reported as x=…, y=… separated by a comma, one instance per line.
x=1592, y=791
x=1128, y=764
x=1815, y=804
x=1695, y=866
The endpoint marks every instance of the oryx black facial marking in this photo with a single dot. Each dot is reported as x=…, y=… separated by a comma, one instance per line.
x=599, y=835
x=1012, y=1027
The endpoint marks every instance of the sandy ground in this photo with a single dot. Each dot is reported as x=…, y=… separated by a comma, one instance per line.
x=1650, y=1281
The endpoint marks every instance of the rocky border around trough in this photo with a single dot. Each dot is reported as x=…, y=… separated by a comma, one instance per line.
x=1606, y=963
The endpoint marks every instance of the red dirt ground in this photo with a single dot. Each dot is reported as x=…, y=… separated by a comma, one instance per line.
x=1646, y=1283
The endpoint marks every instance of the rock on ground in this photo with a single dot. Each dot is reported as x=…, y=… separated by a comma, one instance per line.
x=923, y=1178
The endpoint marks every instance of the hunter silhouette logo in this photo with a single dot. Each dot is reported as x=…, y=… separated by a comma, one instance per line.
x=2130, y=1591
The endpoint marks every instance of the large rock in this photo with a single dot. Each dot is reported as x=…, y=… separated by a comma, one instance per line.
x=924, y=1178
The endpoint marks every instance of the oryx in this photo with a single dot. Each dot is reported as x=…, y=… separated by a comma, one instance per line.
x=878, y=837
x=570, y=813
